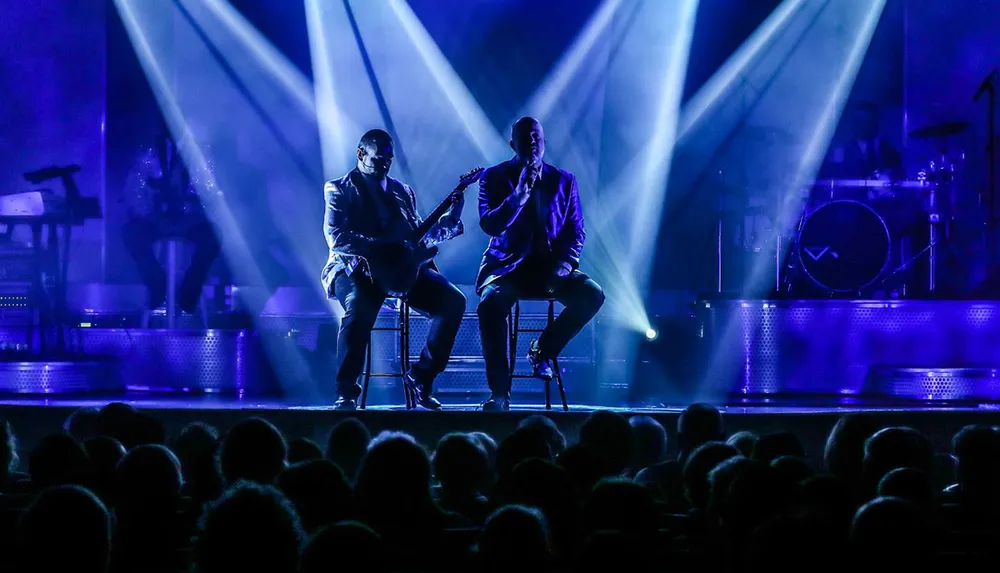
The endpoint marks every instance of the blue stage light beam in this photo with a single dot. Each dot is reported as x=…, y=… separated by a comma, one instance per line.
x=570, y=66
x=439, y=128
x=642, y=99
x=724, y=97
x=570, y=100
x=238, y=81
x=345, y=114
x=334, y=130
x=804, y=99
x=200, y=104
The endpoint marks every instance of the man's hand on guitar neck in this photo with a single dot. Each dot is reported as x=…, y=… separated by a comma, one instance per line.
x=454, y=214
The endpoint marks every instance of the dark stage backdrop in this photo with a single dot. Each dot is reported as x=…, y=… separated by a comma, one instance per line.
x=52, y=87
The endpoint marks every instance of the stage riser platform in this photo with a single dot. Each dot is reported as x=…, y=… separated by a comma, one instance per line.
x=910, y=349
x=293, y=357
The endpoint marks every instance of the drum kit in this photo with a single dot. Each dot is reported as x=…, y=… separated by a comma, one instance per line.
x=875, y=237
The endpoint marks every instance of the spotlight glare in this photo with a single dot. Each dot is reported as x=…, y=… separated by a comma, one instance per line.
x=651, y=334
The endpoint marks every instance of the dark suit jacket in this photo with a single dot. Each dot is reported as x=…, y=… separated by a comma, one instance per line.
x=512, y=227
x=354, y=230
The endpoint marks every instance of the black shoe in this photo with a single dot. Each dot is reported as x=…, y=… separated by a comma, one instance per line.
x=497, y=403
x=345, y=404
x=541, y=367
x=420, y=393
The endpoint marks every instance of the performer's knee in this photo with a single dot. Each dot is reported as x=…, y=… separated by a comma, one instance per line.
x=492, y=306
x=455, y=303
x=594, y=296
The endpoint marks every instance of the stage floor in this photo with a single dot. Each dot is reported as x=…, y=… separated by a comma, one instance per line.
x=810, y=420
x=258, y=405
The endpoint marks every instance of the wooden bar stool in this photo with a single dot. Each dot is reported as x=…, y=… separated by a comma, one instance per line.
x=403, y=328
x=513, y=329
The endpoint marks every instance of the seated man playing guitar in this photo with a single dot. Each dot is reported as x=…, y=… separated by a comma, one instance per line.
x=380, y=247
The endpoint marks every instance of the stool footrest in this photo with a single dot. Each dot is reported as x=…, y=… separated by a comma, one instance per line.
x=514, y=324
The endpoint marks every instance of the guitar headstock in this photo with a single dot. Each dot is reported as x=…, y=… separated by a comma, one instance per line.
x=469, y=178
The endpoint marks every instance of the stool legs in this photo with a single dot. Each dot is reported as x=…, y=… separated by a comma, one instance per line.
x=404, y=362
x=404, y=351
x=513, y=324
x=513, y=329
x=555, y=366
x=367, y=373
x=171, y=282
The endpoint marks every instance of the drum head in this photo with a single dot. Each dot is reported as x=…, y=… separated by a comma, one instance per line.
x=844, y=246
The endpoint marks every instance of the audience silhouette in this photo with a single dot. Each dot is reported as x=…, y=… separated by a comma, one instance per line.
x=106, y=495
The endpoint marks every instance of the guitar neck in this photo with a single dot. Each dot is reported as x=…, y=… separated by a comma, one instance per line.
x=431, y=220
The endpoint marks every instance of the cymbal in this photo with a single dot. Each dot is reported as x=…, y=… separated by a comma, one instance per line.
x=943, y=129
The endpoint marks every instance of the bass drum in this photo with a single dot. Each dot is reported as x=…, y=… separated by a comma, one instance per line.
x=843, y=246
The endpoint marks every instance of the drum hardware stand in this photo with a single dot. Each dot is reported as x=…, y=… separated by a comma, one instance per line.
x=988, y=87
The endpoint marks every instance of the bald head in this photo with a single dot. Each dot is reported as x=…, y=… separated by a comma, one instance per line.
x=527, y=139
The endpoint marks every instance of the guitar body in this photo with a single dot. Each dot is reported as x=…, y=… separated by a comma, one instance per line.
x=397, y=277
x=394, y=274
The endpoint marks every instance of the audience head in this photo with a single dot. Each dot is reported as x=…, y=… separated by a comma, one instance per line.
x=522, y=444
x=327, y=549
x=792, y=470
x=394, y=483
x=250, y=528
x=697, y=467
x=909, y=484
x=976, y=450
x=844, y=453
x=584, y=467
x=542, y=484
x=772, y=446
x=302, y=450
x=148, y=430
x=117, y=420
x=889, y=532
x=620, y=505
x=743, y=441
x=347, y=444
x=82, y=423
x=319, y=492
x=896, y=447
x=513, y=538
x=610, y=436
x=66, y=528
x=8, y=451
x=253, y=450
x=489, y=445
x=720, y=479
x=197, y=448
x=755, y=494
x=104, y=453
x=555, y=438
x=828, y=496
x=649, y=442
x=460, y=465
x=147, y=476
x=698, y=424
x=58, y=459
